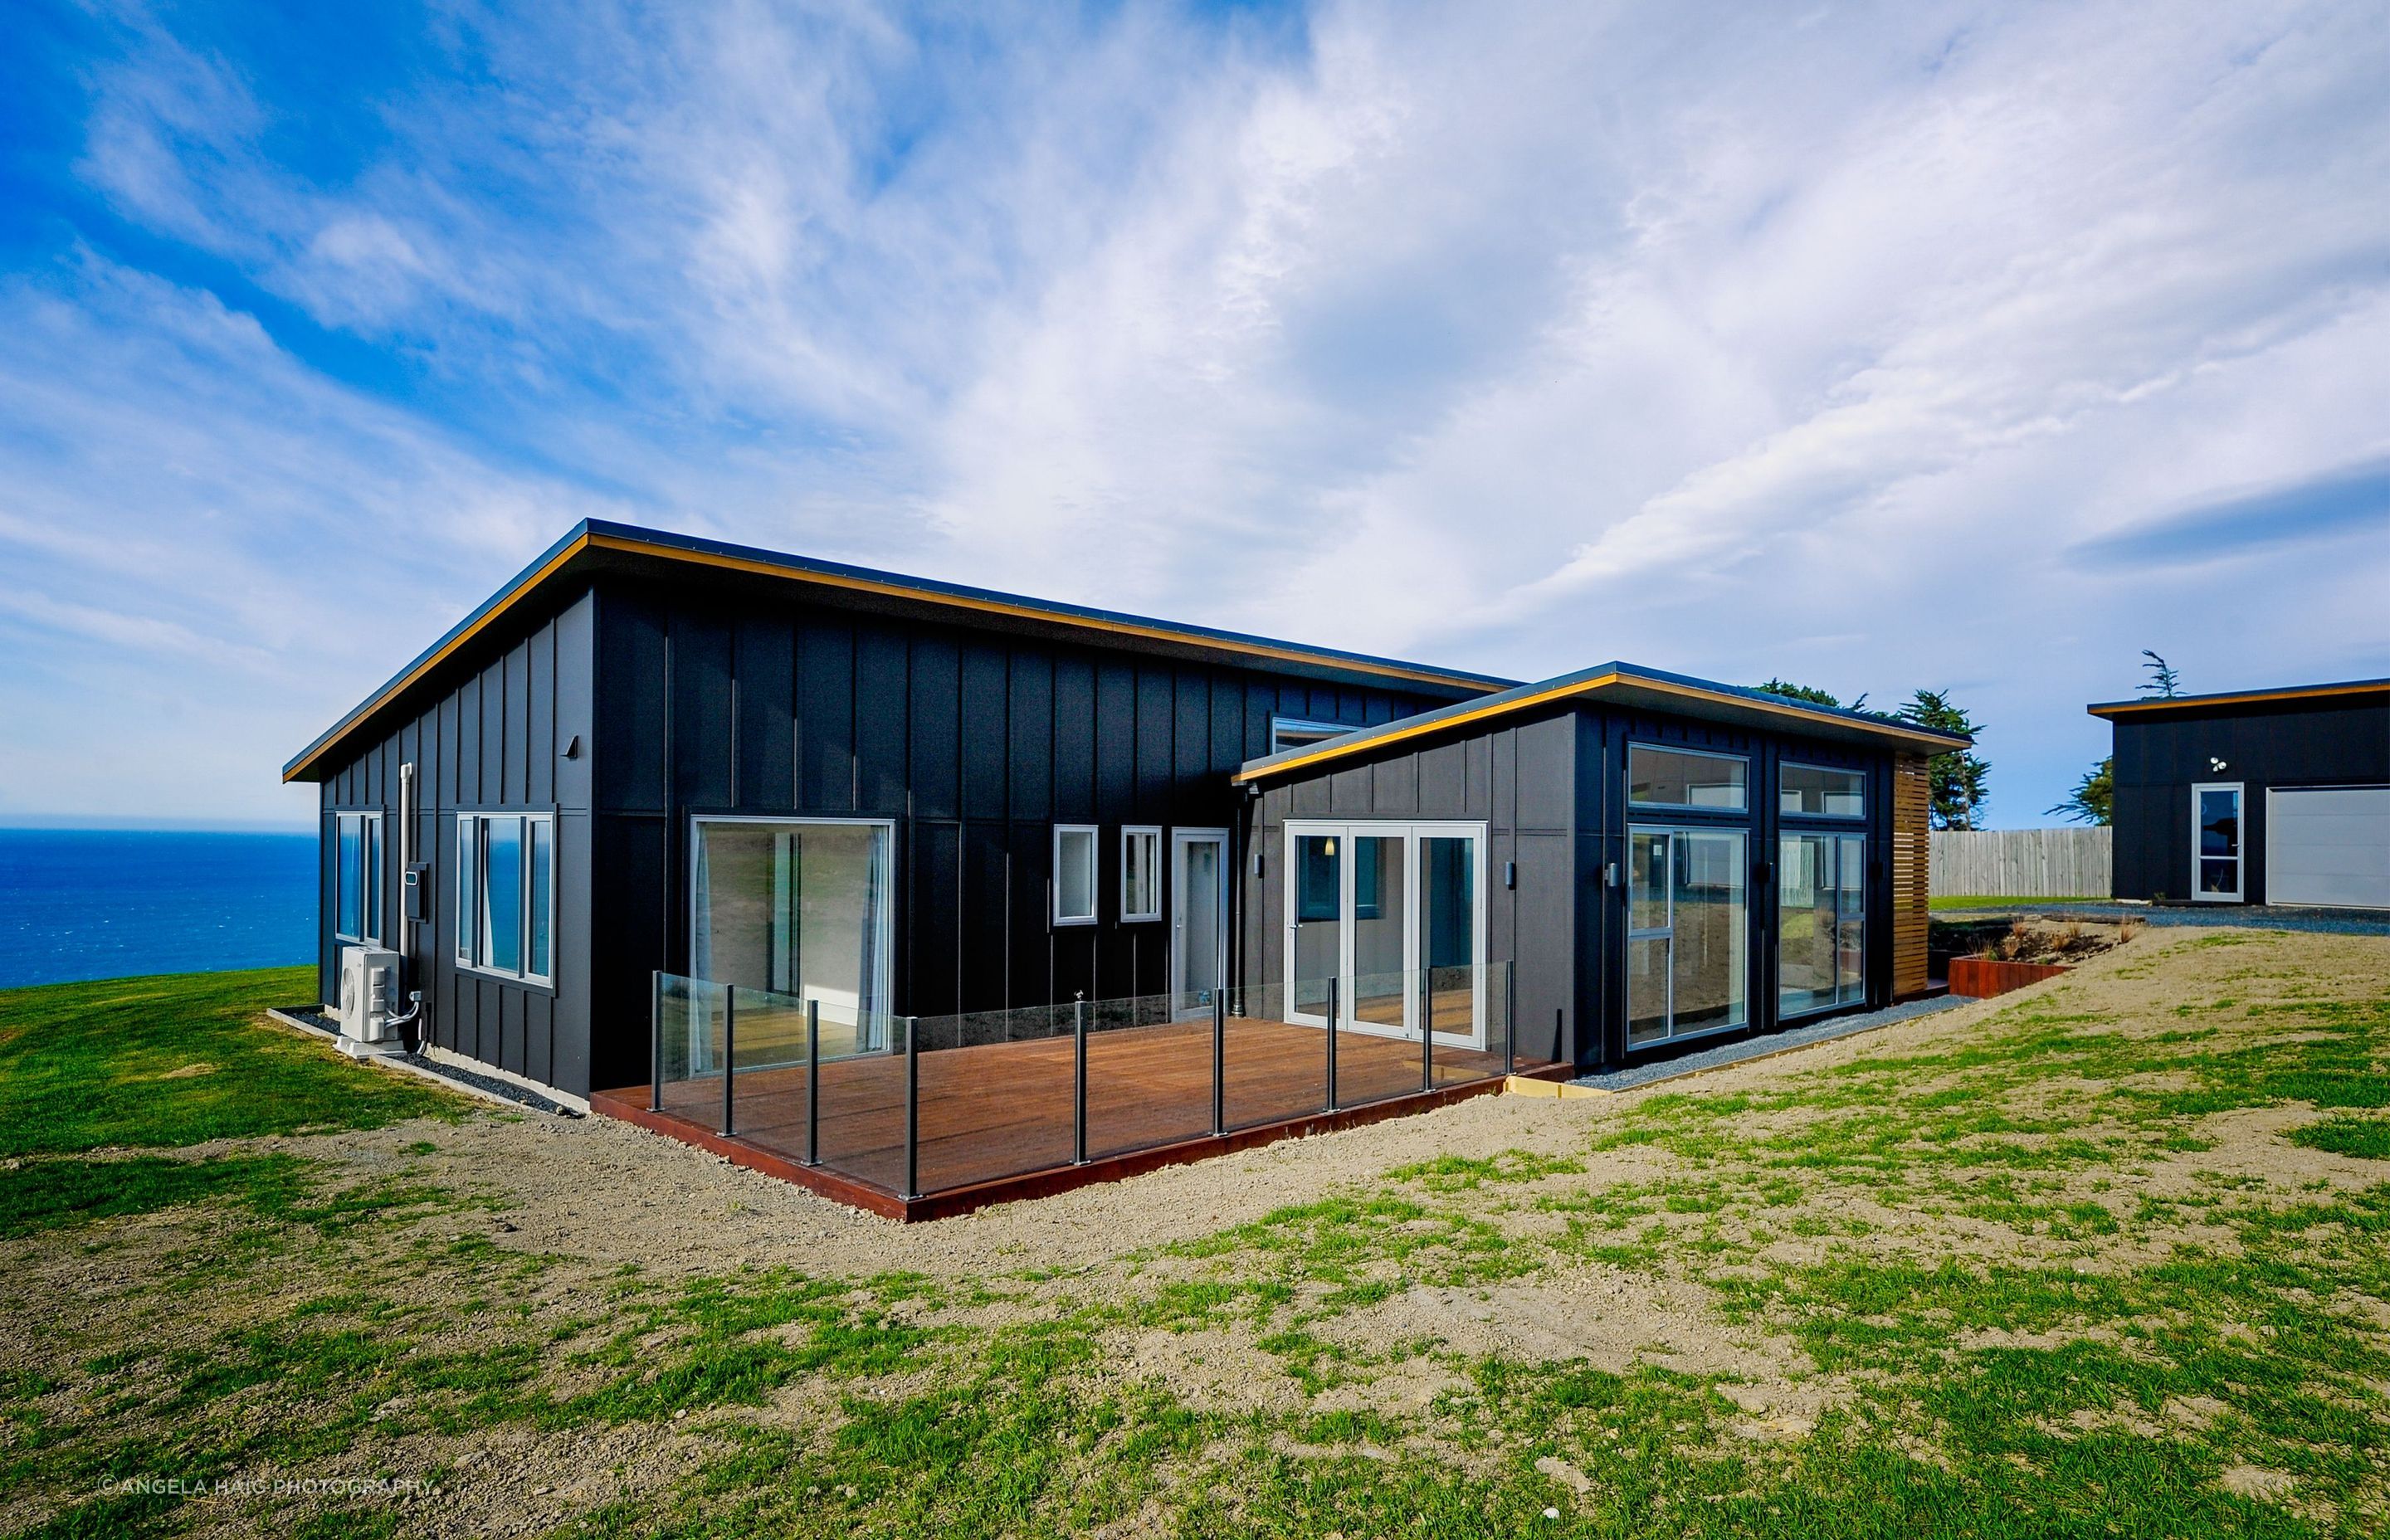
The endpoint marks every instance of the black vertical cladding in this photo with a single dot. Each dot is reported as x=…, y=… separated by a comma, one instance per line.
x=1552, y=791
x=973, y=744
x=493, y=739
x=765, y=670
x=825, y=714
x=2327, y=741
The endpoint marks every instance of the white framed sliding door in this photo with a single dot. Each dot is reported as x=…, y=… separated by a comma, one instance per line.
x=1395, y=915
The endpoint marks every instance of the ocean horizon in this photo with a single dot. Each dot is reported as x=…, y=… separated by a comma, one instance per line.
x=81, y=904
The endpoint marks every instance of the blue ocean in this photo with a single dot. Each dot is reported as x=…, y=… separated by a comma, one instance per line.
x=97, y=903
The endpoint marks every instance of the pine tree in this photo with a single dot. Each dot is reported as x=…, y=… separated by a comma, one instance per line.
x=1958, y=781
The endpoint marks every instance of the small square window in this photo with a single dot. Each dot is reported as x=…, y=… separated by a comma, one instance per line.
x=1141, y=873
x=1074, y=874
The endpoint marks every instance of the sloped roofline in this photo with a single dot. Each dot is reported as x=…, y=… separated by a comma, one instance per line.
x=601, y=536
x=2146, y=704
x=1629, y=684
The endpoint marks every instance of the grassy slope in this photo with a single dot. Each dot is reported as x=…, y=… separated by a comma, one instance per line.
x=1989, y=1390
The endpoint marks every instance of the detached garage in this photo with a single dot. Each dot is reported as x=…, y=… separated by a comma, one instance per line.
x=2278, y=796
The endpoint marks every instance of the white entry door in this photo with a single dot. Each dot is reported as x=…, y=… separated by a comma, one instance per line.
x=1395, y=914
x=2329, y=845
x=1199, y=901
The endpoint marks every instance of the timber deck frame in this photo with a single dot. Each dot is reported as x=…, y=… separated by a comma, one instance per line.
x=985, y=1107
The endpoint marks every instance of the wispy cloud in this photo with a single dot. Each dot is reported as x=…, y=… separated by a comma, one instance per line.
x=1877, y=347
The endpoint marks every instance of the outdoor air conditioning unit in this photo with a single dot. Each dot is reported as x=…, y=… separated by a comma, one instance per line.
x=369, y=980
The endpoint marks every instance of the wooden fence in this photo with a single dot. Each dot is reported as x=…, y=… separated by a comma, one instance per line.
x=2022, y=863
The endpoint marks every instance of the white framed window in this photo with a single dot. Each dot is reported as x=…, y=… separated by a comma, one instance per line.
x=1140, y=871
x=1815, y=792
x=1292, y=732
x=356, y=898
x=1074, y=874
x=506, y=895
x=1662, y=776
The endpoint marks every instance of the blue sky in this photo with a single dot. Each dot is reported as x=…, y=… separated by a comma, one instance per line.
x=1970, y=346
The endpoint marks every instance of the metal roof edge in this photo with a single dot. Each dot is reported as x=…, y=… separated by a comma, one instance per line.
x=602, y=535
x=2113, y=709
x=1589, y=684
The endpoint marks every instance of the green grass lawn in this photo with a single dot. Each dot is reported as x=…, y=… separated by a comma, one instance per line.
x=2108, y=1263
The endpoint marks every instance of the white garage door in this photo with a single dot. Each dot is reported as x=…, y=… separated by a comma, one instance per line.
x=2329, y=846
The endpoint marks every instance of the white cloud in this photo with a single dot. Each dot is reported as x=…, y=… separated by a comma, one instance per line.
x=1519, y=337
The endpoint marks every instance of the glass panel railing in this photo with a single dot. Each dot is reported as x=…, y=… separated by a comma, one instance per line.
x=687, y=1048
x=989, y=1094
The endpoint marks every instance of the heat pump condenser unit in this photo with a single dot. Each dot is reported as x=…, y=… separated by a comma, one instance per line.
x=369, y=980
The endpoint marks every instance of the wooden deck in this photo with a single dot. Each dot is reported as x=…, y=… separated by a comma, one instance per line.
x=995, y=1120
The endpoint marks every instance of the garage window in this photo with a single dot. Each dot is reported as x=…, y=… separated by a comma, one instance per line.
x=2216, y=841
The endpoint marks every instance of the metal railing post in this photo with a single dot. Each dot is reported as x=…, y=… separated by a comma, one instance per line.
x=1427, y=1030
x=1510, y=1017
x=813, y=1083
x=1220, y=1059
x=1331, y=1042
x=656, y=1040
x=912, y=1109
x=1079, y=1080
x=729, y=1060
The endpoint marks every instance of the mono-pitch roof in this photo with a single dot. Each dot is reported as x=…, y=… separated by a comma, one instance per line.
x=2193, y=704
x=1626, y=685
x=595, y=545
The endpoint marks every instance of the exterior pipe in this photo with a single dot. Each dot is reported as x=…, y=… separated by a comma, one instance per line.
x=813, y=1083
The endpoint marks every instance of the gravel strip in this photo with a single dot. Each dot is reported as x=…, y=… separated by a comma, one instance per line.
x=2253, y=917
x=1736, y=1052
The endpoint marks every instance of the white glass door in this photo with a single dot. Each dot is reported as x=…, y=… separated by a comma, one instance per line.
x=2215, y=843
x=1395, y=915
x=1197, y=916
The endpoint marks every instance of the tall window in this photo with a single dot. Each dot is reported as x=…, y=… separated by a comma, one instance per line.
x=357, y=890
x=1686, y=778
x=1074, y=874
x=506, y=893
x=800, y=909
x=1820, y=921
x=1141, y=873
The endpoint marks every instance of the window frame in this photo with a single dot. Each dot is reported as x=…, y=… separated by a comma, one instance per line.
x=1696, y=809
x=472, y=907
x=1095, y=834
x=373, y=861
x=1783, y=812
x=1151, y=833
x=883, y=981
x=1312, y=731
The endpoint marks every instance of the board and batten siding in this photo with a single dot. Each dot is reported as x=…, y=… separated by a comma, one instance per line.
x=2022, y=863
x=493, y=736
x=972, y=741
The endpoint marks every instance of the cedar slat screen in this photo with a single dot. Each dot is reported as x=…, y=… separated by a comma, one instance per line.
x=1911, y=873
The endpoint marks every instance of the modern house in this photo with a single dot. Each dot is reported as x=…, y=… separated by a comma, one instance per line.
x=2270, y=796
x=652, y=758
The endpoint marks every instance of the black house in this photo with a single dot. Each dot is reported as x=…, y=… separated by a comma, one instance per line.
x=651, y=753
x=2278, y=796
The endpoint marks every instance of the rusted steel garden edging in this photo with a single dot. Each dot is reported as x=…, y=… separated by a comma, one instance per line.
x=1985, y=976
